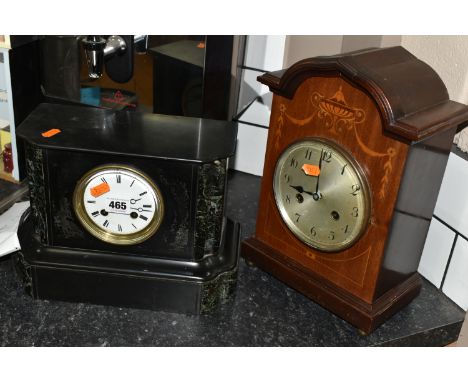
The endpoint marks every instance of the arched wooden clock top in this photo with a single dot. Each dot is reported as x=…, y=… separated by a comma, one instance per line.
x=410, y=95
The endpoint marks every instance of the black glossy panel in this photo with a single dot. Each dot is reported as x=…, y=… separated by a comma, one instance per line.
x=115, y=289
x=126, y=132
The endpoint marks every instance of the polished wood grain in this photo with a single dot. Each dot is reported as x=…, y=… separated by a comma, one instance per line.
x=391, y=112
x=381, y=158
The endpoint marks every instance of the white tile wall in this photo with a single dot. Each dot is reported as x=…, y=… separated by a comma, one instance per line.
x=251, y=146
x=452, y=209
x=452, y=202
x=258, y=113
x=436, y=252
x=456, y=281
x=250, y=88
x=265, y=52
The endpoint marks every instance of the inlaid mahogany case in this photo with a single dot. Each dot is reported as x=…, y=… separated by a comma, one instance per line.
x=392, y=113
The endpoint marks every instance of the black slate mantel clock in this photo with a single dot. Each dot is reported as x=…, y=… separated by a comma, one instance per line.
x=127, y=209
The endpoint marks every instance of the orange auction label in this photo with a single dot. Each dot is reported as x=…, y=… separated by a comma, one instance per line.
x=311, y=169
x=50, y=133
x=100, y=189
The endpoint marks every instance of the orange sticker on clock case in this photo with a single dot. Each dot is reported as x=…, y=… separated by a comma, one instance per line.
x=311, y=169
x=100, y=189
x=50, y=133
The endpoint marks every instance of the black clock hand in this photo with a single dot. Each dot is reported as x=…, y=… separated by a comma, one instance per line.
x=133, y=201
x=301, y=190
x=316, y=194
x=140, y=209
x=318, y=176
x=298, y=188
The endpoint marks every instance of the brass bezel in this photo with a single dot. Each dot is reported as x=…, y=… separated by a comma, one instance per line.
x=113, y=238
x=361, y=176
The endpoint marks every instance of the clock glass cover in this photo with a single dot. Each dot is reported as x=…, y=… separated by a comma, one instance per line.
x=322, y=194
x=118, y=204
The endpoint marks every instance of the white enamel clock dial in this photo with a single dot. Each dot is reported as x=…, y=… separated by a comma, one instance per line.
x=322, y=194
x=118, y=204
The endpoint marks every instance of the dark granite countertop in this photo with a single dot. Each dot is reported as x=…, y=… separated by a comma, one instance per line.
x=265, y=312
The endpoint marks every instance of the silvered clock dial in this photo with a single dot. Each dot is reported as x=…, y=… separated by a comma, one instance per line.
x=322, y=194
x=118, y=204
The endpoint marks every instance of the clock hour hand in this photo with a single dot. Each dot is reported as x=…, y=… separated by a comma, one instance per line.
x=301, y=190
x=133, y=201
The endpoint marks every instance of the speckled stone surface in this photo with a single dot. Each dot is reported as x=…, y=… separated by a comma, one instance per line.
x=264, y=312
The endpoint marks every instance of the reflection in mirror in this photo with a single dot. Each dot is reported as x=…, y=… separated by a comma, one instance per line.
x=176, y=75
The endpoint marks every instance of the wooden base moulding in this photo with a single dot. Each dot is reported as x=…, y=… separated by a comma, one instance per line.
x=364, y=316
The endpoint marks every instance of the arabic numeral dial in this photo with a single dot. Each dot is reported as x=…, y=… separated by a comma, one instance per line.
x=322, y=194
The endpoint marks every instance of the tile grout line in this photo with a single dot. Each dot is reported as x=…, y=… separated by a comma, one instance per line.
x=243, y=67
x=449, y=260
x=450, y=227
x=451, y=250
x=250, y=123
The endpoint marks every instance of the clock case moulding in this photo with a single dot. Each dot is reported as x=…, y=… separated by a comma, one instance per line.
x=392, y=112
x=189, y=265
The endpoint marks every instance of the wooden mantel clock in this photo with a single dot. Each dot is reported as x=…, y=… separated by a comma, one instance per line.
x=357, y=148
x=127, y=209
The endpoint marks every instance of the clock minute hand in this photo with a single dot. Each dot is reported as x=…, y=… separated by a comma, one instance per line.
x=320, y=170
x=139, y=209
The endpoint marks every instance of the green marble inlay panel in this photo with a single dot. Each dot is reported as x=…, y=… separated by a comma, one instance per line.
x=218, y=291
x=210, y=207
x=37, y=190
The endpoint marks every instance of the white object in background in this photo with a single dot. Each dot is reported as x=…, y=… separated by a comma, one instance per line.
x=461, y=140
x=9, y=222
x=265, y=52
x=250, y=151
x=452, y=203
x=456, y=282
x=5, y=66
x=436, y=252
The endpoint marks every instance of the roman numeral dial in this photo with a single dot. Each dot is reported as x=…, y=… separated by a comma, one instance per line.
x=322, y=194
x=118, y=204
